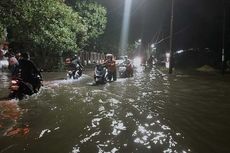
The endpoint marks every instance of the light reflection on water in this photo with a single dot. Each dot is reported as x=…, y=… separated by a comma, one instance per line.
x=151, y=112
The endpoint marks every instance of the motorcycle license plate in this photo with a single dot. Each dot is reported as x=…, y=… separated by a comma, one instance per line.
x=122, y=68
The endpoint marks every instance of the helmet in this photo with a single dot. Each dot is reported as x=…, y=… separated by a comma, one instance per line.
x=109, y=56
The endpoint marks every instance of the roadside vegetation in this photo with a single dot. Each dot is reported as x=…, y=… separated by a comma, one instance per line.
x=51, y=28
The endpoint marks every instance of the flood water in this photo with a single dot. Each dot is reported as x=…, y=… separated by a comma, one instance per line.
x=149, y=113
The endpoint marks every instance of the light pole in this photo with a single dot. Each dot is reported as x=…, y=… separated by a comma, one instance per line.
x=223, y=38
x=171, y=39
x=138, y=45
x=153, y=49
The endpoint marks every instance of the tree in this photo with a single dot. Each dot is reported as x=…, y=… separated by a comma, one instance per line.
x=46, y=27
x=2, y=33
x=48, y=22
x=94, y=17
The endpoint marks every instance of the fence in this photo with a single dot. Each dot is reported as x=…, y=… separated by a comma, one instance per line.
x=91, y=57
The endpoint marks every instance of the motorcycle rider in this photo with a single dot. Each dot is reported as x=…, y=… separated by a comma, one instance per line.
x=76, y=60
x=69, y=65
x=110, y=64
x=126, y=60
x=73, y=65
x=28, y=72
x=128, y=65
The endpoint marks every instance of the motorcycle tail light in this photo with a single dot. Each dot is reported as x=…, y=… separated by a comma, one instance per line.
x=14, y=81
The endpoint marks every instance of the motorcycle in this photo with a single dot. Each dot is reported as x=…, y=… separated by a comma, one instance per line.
x=100, y=74
x=37, y=82
x=19, y=89
x=125, y=70
x=75, y=74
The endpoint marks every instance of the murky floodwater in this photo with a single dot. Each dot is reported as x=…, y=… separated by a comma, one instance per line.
x=150, y=112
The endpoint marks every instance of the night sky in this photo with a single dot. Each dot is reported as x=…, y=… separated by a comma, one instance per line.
x=197, y=23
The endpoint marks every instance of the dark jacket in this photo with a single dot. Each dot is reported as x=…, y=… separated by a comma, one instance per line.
x=27, y=70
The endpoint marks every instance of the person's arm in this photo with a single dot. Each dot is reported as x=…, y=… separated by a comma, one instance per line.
x=79, y=63
x=105, y=63
x=113, y=63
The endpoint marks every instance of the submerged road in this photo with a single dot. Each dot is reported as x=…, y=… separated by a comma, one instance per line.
x=151, y=112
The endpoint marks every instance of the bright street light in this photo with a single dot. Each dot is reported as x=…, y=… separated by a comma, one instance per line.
x=153, y=46
x=171, y=39
x=125, y=27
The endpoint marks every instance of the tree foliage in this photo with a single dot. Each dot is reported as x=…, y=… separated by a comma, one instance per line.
x=50, y=26
x=2, y=33
x=93, y=15
x=53, y=24
x=47, y=23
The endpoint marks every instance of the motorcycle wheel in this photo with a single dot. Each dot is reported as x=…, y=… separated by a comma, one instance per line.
x=12, y=95
x=16, y=96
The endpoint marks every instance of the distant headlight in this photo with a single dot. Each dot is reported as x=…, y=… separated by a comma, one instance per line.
x=137, y=61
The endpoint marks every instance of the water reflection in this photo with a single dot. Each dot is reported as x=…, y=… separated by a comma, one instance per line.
x=151, y=112
x=115, y=116
x=4, y=80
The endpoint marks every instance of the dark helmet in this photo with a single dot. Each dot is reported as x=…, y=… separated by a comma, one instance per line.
x=25, y=55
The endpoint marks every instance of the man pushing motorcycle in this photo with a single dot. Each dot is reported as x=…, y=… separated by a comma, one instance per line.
x=110, y=64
